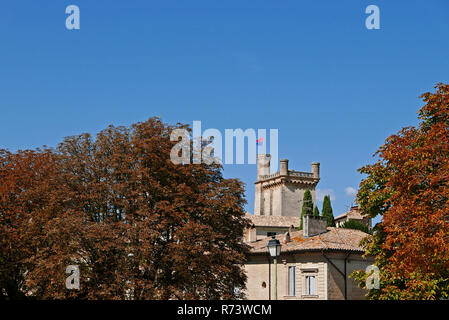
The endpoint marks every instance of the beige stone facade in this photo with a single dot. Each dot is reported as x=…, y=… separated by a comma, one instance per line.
x=330, y=283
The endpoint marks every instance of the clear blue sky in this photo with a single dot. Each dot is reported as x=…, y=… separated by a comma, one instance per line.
x=311, y=69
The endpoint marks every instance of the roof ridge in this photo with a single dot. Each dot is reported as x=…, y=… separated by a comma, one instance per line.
x=339, y=236
x=322, y=241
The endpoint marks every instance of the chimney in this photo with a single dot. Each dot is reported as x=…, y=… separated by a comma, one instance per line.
x=286, y=238
x=313, y=225
x=291, y=229
x=251, y=233
x=284, y=167
x=316, y=169
x=263, y=165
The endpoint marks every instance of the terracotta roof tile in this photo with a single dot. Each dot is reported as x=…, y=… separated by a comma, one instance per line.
x=333, y=239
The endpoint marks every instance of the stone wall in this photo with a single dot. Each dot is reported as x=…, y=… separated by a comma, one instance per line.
x=292, y=198
x=313, y=226
x=257, y=284
x=281, y=200
x=336, y=280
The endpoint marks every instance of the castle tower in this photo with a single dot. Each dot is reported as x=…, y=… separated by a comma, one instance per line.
x=263, y=164
x=281, y=193
x=263, y=169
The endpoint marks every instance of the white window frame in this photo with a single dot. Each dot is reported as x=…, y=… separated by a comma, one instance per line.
x=310, y=285
x=309, y=272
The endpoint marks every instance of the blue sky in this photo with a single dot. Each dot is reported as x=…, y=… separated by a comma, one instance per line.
x=311, y=69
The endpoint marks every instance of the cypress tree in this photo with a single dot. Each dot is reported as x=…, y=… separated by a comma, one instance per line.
x=316, y=212
x=327, y=211
x=307, y=205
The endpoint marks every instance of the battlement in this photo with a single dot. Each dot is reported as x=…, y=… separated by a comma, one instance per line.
x=280, y=193
x=291, y=173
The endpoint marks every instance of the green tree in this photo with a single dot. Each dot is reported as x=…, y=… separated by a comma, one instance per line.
x=326, y=212
x=316, y=212
x=356, y=225
x=307, y=205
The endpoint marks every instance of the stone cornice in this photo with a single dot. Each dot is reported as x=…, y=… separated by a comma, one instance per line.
x=277, y=179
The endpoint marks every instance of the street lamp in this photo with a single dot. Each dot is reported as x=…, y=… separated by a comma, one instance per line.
x=274, y=247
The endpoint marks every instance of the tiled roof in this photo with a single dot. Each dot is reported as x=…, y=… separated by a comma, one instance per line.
x=352, y=214
x=334, y=239
x=274, y=221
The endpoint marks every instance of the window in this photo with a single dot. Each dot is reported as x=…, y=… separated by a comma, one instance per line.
x=291, y=281
x=310, y=285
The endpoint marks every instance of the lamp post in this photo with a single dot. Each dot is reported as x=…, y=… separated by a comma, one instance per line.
x=274, y=247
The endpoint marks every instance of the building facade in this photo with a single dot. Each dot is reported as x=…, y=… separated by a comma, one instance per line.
x=313, y=267
x=315, y=262
x=353, y=214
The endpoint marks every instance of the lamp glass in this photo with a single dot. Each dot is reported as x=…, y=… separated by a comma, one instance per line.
x=274, y=247
x=278, y=250
x=272, y=251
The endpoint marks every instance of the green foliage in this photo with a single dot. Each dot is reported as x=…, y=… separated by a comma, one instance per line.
x=372, y=245
x=356, y=225
x=326, y=212
x=307, y=205
x=316, y=212
x=372, y=196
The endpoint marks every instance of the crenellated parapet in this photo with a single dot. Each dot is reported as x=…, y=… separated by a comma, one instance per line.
x=280, y=193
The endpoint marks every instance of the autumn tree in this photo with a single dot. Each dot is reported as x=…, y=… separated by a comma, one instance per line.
x=138, y=225
x=27, y=185
x=409, y=187
x=327, y=212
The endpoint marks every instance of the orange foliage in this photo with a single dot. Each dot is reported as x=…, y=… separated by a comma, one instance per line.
x=136, y=224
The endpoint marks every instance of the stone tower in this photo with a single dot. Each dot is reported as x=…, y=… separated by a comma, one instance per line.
x=281, y=193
